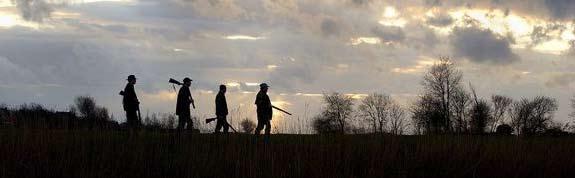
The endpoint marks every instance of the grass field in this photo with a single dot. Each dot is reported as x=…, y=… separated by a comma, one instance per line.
x=42, y=153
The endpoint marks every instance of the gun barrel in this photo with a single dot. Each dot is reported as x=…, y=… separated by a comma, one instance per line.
x=175, y=81
x=279, y=109
x=210, y=120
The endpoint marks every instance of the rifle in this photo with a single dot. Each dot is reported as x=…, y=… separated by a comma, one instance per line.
x=279, y=109
x=228, y=124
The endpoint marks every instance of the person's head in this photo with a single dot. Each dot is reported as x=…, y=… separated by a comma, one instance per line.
x=187, y=82
x=132, y=79
x=223, y=88
x=264, y=87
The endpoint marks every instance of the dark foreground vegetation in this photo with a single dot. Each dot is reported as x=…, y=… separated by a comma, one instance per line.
x=59, y=153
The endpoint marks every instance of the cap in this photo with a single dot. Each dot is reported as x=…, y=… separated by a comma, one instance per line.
x=264, y=85
x=131, y=77
x=187, y=79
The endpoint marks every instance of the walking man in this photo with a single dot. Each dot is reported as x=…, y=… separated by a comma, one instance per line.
x=264, y=110
x=131, y=103
x=183, y=106
x=222, y=110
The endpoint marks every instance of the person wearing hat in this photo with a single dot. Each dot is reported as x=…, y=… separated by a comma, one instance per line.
x=264, y=110
x=131, y=103
x=222, y=110
x=183, y=106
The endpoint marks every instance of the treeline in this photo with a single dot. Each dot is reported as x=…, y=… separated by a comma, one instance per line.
x=445, y=106
x=83, y=114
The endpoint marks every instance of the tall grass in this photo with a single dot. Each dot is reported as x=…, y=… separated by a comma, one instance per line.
x=75, y=153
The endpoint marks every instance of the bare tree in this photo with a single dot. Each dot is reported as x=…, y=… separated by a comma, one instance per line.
x=501, y=106
x=397, y=119
x=480, y=115
x=461, y=103
x=86, y=106
x=426, y=117
x=248, y=125
x=375, y=109
x=533, y=116
x=441, y=83
x=338, y=111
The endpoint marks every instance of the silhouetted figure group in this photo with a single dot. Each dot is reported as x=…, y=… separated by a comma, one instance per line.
x=264, y=107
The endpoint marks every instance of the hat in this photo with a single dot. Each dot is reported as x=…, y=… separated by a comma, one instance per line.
x=131, y=77
x=187, y=79
x=264, y=85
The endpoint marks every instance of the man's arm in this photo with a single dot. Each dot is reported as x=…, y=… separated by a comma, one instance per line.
x=191, y=99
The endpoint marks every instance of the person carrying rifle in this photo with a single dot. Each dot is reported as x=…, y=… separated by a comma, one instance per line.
x=264, y=110
x=131, y=103
x=221, y=110
x=183, y=106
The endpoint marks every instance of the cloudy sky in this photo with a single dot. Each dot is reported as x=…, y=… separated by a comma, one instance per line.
x=54, y=50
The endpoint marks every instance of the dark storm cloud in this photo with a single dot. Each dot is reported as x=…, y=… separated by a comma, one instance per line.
x=61, y=59
x=33, y=10
x=481, y=46
x=561, y=9
x=389, y=33
x=422, y=37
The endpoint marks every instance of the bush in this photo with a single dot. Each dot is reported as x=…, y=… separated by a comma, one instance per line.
x=323, y=125
x=504, y=129
x=248, y=126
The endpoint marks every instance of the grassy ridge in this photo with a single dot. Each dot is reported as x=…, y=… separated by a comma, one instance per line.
x=44, y=153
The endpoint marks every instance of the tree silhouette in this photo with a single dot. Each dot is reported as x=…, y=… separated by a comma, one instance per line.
x=501, y=106
x=435, y=107
x=533, y=116
x=397, y=122
x=337, y=113
x=480, y=115
x=89, y=111
x=375, y=108
x=461, y=103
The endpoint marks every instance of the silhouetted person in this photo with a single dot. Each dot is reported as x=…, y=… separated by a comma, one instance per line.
x=131, y=103
x=183, y=106
x=264, y=110
x=222, y=110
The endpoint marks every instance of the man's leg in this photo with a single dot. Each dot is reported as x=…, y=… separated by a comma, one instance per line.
x=219, y=124
x=259, y=127
x=131, y=117
x=225, y=124
x=181, y=122
x=268, y=124
x=190, y=125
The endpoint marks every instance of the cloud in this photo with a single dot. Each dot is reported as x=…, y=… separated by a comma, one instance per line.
x=440, y=20
x=481, y=46
x=330, y=27
x=561, y=9
x=389, y=33
x=33, y=10
x=561, y=80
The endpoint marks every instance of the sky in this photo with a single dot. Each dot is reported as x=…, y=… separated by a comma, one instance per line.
x=54, y=50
